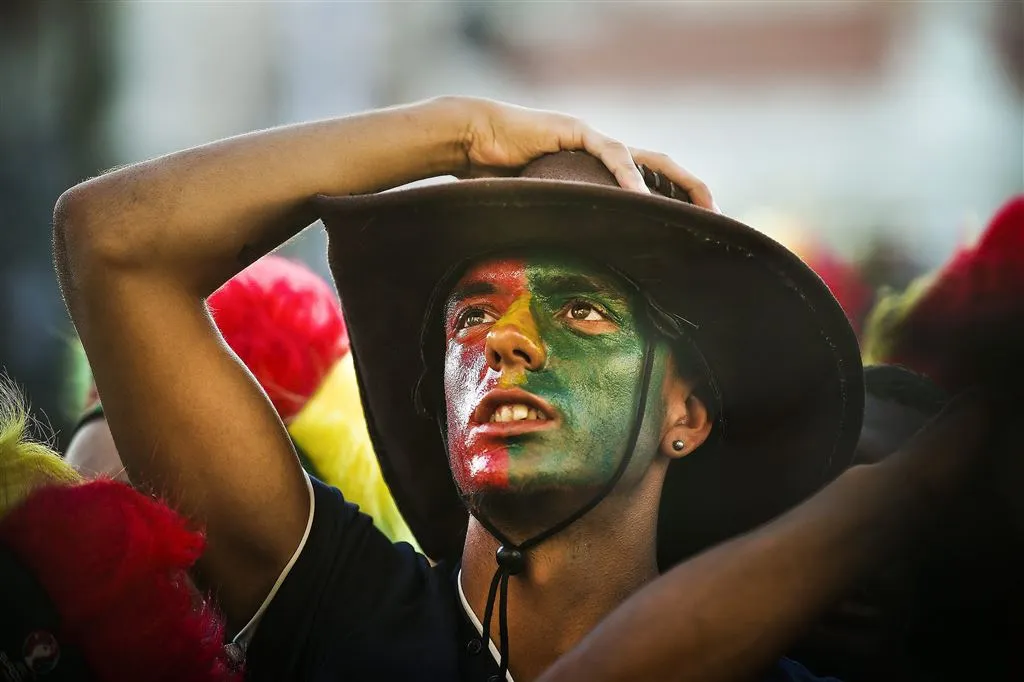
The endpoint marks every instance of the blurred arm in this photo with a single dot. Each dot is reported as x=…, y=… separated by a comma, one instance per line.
x=731, y=612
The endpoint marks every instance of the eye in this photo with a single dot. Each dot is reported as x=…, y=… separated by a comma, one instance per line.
x=473, y=317
x=581, y=311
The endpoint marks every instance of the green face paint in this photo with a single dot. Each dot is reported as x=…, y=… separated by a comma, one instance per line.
x=543, y=364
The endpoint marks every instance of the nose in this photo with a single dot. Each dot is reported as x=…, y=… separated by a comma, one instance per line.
x=513, y=343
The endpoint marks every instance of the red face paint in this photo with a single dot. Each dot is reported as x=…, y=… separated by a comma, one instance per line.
x=478, y=462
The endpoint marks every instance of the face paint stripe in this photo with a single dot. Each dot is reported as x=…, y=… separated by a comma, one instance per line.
x=520, y=315
x=479, y=465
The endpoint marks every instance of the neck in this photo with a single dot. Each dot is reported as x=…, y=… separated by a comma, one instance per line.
x=572, y=580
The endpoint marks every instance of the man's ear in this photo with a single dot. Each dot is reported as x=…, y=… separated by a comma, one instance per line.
x=687, y=421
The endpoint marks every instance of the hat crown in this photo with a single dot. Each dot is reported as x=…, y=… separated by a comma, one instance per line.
x=570, y=166
x=583, y=167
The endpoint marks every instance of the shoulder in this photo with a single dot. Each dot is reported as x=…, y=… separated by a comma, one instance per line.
x=344, y=574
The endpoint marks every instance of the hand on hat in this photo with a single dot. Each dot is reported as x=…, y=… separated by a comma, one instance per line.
x=501, y=138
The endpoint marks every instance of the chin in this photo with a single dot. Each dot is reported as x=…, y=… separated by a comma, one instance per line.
x=529, y=506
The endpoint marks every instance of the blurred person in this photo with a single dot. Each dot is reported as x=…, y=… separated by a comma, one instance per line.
x=286, y=326
x=93, y=582
x=728, y=373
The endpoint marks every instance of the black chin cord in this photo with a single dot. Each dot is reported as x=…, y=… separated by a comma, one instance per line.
x=511, y=558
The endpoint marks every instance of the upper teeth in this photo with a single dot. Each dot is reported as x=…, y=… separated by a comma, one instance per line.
x=516, y=412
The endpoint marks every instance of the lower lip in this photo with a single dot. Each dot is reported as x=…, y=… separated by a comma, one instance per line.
x=515, y=428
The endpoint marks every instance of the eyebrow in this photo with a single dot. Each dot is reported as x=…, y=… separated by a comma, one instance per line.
x=470, y=289
x=562, y=283
x=577, y=283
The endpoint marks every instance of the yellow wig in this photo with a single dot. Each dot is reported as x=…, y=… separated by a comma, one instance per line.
x=331, y=432
x=25, y=464
x=884, y=325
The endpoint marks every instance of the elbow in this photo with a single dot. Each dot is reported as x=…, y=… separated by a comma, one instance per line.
x=75, y=241
x=89, y=238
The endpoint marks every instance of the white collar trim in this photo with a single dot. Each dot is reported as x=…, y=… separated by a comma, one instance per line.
x=479, y=626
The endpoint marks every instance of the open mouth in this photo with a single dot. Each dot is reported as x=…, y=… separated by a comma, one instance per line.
x=505, y=406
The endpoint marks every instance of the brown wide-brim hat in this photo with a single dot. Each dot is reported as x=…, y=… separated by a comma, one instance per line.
x=781, y=352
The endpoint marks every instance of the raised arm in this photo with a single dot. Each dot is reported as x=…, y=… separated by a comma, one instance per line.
x=728, y=614
x=138, y=249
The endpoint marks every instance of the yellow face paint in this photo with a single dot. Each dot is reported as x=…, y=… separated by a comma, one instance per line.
x=520, y=316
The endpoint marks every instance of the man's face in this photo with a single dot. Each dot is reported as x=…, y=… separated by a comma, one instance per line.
x=542, y=368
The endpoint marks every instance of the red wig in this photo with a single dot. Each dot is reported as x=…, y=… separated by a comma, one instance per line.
x=113, y=563
x=285, y=324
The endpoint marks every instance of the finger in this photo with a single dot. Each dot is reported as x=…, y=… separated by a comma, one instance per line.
x=617, y=158
x=694, y=186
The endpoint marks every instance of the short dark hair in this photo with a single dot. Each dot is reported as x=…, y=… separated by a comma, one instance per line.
x=903, y=386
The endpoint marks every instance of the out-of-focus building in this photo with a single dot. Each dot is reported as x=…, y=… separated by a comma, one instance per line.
x=55, y=77
x=857, y=114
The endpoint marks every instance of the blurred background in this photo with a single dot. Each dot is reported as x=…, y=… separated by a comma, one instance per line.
x=871, y=137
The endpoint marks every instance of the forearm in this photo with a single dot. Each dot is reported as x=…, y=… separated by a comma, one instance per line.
x=200, y=214
x=731, y=612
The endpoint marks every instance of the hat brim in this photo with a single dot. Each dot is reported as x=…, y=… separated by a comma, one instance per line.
x=781, y=350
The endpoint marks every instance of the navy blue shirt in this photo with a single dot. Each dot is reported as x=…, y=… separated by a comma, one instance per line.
x=354, y=606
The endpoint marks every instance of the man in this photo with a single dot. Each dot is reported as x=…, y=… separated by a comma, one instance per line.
x=566, y=380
